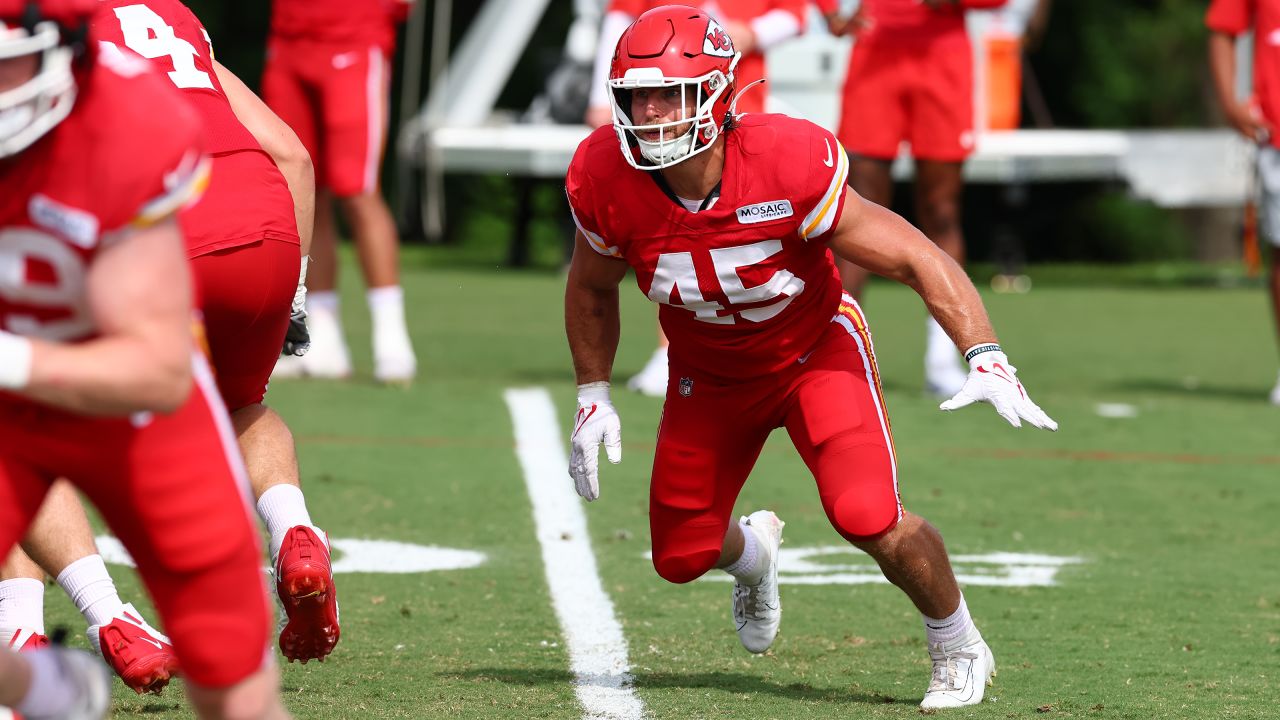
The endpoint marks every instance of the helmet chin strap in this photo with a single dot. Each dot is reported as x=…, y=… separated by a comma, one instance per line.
x=733, y=106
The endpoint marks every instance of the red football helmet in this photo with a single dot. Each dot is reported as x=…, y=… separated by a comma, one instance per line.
x=53, y=32
x=673, y=46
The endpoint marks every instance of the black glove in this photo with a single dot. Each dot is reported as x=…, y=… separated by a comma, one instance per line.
x=297, y=340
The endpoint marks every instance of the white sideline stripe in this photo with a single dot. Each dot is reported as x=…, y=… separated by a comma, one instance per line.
x=597, y=648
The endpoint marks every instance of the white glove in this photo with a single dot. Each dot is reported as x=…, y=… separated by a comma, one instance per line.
x=596, y=422
x=993, y=380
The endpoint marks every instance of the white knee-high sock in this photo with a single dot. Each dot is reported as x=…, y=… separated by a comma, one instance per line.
x=750, y=565
x=89, y=586
x=22, y=605
x=282, y=507
x=954, y=626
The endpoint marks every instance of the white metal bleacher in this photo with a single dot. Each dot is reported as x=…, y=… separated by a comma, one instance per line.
x=457, y=132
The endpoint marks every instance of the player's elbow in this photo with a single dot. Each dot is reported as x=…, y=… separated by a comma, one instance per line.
x=168, y=387
x=294, y=161
x=162, y=377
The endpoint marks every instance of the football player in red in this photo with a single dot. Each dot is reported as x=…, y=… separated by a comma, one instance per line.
x=100, y=381
x=1257, y=121
x=910, y=79
x=730, y=224
x=243, y=238
x=328, y=77
x=754, y=26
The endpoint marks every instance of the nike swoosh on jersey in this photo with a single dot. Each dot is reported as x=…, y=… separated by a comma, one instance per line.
x=830, y=161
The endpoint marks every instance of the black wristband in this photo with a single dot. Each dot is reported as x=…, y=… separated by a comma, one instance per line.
x=989, y=347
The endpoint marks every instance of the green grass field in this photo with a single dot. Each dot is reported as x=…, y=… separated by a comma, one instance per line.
x=1172, y=612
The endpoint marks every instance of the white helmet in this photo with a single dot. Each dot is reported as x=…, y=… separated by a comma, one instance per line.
x=34, y=107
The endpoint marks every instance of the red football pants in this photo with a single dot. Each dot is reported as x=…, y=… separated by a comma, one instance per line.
x=173, y=489
x=711, y=435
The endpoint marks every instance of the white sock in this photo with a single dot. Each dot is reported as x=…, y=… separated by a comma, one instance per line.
x=89, y=586
x=282, y=507
x=386, y=307
x=22, y=605
x=323, y=301
x=939, y=350
x=954, y=626
x=51, y=693
x=750, y=566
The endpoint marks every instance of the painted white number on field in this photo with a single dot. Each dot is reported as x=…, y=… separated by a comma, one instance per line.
x=676, y=273
x=845, y=565
x=350, y=556
x=147, y=34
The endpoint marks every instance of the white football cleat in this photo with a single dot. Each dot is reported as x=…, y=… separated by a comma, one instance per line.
x=288, y=367
x=962, y=671
x=944, y=379
x=393, y=358
x=652, y=379
x=757, y=609
x=1275, y=394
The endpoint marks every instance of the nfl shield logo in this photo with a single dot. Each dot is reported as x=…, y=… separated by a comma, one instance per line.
x=686, y=387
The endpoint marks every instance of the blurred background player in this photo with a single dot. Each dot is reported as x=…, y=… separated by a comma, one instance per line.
x=243, y=238
x=100, y=380
x=754, y=26
x=1256, y=120
x=328, y=77
x=910, y=79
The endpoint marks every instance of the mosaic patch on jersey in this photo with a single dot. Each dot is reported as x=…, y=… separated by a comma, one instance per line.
x=76, y=225
x=765, y=212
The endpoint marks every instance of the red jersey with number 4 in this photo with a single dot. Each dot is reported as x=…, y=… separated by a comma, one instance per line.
x=167, y=34
x=128, y=155
x=1234, y=17
x=339, y=21
x=746, y=285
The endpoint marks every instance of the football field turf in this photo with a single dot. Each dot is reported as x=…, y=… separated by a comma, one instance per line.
x=1124, y=567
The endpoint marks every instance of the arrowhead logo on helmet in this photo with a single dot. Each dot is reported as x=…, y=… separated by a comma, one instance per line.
x=718, y=41
x=671, y=86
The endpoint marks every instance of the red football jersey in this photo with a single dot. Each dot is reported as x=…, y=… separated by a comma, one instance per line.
x=746, y=285
x=129, y=154
x=1234, y=17
x=167, y=34
x=339, y=21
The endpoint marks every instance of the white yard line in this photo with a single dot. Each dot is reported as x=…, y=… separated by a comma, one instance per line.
x=593, y=637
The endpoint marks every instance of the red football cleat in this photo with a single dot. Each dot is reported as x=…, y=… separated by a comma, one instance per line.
x=23, y=640
x=304, y=583
x=141, y=655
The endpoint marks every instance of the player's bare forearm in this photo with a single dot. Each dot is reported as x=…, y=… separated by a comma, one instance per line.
x=280, y=142
x=886, y=244
x=110, y=376
x=591, y=312
x=591, y=324
x=1222, y=68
